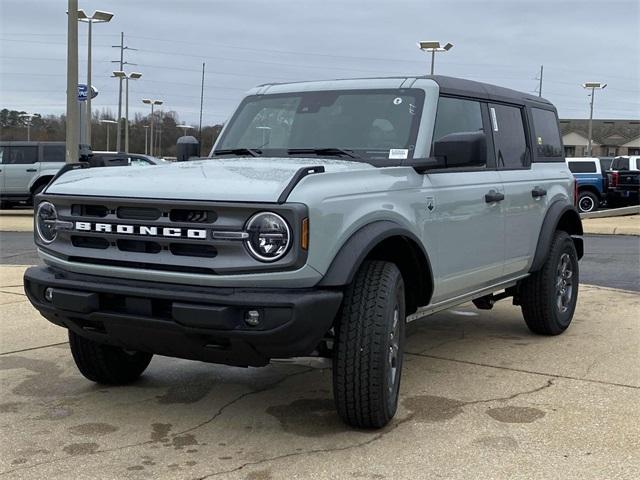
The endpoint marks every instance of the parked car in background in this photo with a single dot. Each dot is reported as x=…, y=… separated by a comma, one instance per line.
x=27, y=167
x=590, y=181
x=623, y=181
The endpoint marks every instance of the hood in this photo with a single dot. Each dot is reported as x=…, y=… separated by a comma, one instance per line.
x=260, y=179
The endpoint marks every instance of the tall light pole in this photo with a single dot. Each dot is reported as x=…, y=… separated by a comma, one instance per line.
x=97, y=17
x=593, y=86
x=146, y=131
x=73, y=113
x=29, y=117
x=152, y=103
x=433, y=47
x=184, y=128
x=107, y=123
x=126, y=77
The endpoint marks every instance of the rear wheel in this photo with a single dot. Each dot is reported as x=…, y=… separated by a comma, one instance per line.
x=548, y=297
x=367, y=361
x=105, y=363
x=588, y=202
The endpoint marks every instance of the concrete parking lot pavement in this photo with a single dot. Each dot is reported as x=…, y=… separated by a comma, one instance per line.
x=481, y=398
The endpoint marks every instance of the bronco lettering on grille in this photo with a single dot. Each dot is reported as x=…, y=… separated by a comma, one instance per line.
x=143, y=230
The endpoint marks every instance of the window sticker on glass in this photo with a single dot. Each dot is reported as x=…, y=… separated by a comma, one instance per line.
x=398, y=153
x=397, y=101
x=494, y=120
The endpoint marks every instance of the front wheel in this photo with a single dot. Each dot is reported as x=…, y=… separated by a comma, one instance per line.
x=107, y=364
x=368, y=352
x=548, y=297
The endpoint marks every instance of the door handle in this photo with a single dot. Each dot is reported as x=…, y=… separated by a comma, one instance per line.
x=538, y=192
x=31, y=170
x=493, y=196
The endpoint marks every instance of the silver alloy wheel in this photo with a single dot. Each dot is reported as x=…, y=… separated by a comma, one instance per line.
x=586, y=204
x=564, y=283
x=394, y=349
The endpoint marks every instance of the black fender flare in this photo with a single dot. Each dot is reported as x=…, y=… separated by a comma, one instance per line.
x=354, y=251
x=563, y=216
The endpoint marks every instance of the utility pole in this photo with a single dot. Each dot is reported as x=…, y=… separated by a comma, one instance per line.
x=540, y=86
x=122, y=63
x=201, y=103
x=72, y=133
x=593, y=86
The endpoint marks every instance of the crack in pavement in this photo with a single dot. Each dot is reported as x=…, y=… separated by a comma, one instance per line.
x=521, y=370
x=175, y=434
x=33, y=348
x=369, y=441
x=12, y=293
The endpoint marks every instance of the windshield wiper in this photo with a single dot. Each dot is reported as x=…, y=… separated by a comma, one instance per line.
x=238, y=151
x=340, y=152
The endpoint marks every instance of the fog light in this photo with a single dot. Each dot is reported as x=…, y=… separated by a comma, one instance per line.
x=48, y=294
x=252, y=317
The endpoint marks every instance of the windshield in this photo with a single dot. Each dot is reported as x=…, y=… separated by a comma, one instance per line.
x=352, y=124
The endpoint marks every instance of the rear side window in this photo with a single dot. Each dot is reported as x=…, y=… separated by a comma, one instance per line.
x=548, y=142
x=620, y=163
x=53, y=153
x=456, y=115
x=15, y=155
x=582, y=167
x=509, y=137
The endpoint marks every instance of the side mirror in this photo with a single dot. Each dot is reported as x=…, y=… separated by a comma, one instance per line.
x=187, y=147
x=465, y=149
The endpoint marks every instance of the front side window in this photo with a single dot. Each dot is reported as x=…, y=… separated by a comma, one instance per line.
x=19, y=155
x=509, y=136
x=53, y=153
x=369, y=124
x=545, y=124
x=457, y=115
x=582, y=167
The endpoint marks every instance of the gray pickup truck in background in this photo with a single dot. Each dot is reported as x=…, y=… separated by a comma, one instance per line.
x=326, y=215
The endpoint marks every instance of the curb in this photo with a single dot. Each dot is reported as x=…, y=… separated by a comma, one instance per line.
x=614, y=212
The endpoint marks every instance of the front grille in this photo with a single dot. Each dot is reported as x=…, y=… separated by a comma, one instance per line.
x=138, y=246
x=137, y=213
x=89, y=242
x=191, y=250
x=99, y=211
x=192, y=216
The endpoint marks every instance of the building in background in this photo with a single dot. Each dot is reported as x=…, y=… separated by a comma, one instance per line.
x=610, y=137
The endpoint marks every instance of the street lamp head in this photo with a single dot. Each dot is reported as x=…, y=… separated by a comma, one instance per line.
x=81, y=15
x=105, y=120
x=448, y=47
x=119, y=73
x=597, y=85
x=135, y=75
x=100, y=16
x=434, y=46
x=147, y=101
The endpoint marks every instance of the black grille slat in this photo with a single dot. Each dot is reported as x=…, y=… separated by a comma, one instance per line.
x=98, y=211
x=192, y=215
x=138, y=213
x=193, y=250
x=99, y=243
x=138, y=246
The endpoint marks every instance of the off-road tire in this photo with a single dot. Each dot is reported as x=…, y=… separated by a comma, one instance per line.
x=589, y=198
x=539, y=293
x=107, y=364
x=364, y=392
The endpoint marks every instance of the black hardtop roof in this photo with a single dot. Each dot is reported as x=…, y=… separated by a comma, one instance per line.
x=461, y=86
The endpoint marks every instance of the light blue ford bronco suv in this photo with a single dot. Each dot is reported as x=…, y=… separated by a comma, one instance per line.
x=326, y=214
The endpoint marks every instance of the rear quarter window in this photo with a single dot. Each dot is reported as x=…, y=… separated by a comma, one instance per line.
x=548, y=140
x=620, y=163
x=582, y=167
x=53, y=153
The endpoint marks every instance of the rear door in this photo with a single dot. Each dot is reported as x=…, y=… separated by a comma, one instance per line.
x=19, y=166
x=469, y=230
x=526, y=185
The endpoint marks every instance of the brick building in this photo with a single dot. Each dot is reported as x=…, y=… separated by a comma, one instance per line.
x=610, y=137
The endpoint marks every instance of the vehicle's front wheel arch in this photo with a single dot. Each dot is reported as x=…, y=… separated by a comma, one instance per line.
x=385, y=241
x=39, y=185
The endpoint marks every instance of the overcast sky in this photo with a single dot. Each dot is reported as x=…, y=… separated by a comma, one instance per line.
x=245, y=43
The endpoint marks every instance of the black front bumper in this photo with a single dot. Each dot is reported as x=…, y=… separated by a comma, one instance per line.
x=198, y=323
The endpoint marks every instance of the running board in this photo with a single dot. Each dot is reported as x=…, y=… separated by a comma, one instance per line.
x=467, y=297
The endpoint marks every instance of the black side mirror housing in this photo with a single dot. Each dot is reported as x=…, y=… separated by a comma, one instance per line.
x=464, y=149
x=187, y=147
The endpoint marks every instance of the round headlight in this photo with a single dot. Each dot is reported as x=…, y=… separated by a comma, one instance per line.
x=46, y=217
x=269, y=236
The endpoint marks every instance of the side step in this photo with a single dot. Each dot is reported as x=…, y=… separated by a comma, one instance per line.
x=488, y=301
